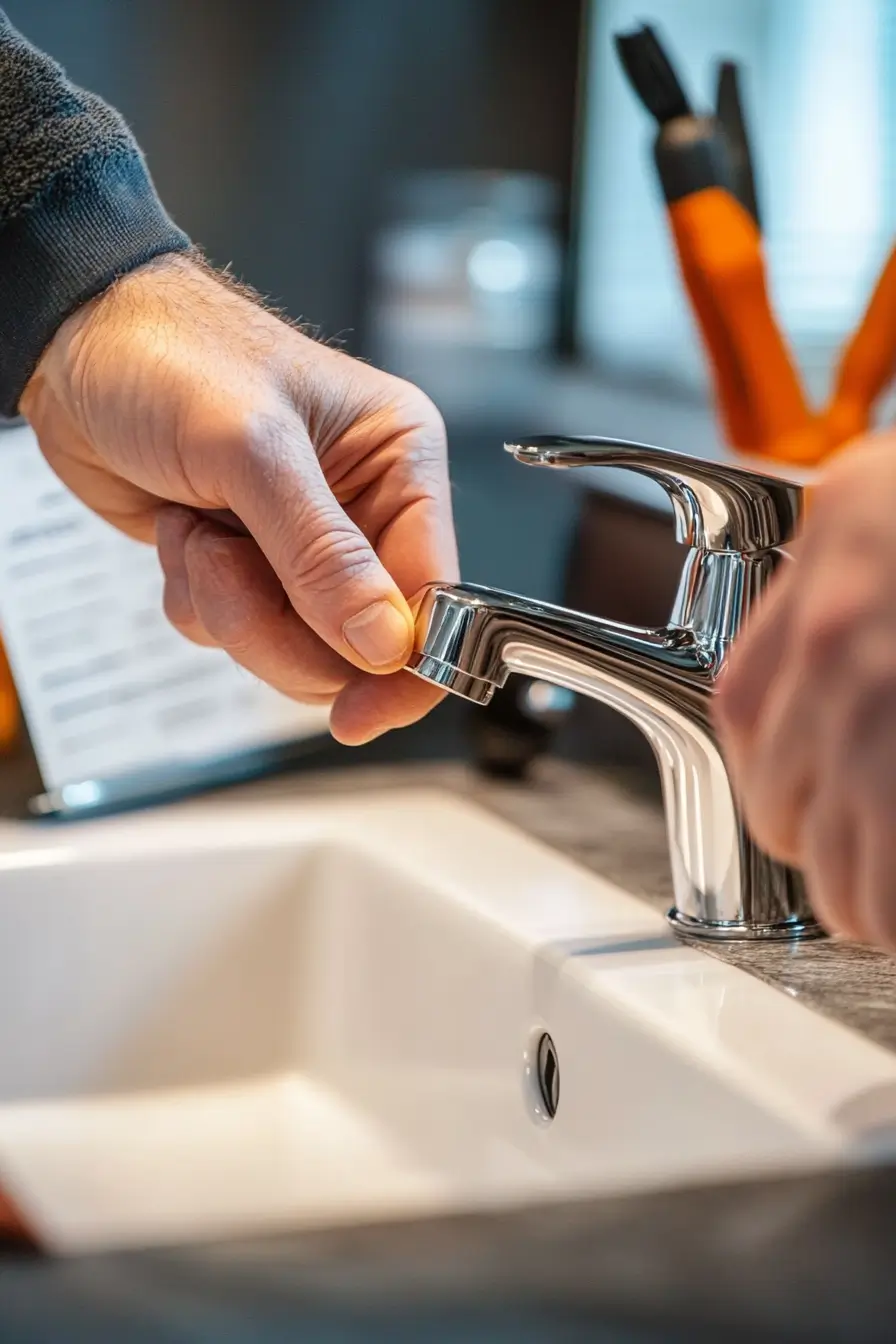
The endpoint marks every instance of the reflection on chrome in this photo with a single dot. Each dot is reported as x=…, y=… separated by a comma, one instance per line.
x=733, y=522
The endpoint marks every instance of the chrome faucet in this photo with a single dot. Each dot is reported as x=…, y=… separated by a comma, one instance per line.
x=734, y=523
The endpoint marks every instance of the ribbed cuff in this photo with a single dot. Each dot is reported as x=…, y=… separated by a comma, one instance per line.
x=102, y=221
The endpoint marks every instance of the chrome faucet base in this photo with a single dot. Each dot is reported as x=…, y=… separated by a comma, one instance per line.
x=738, y=931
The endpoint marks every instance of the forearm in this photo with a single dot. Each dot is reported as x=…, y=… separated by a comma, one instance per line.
x=77, y=205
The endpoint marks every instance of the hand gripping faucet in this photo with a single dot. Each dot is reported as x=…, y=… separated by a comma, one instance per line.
x=734, y=523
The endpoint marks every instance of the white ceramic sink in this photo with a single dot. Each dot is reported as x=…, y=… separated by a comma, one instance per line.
x=233, y=1018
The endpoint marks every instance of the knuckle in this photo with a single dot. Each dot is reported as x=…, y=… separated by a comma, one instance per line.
x=828, y=631
x=259, y=426
x=404, y=411
x=268, y=432
x=229, y=608
x=335, y=553
x=423, y=411
x=224, y=446
x=868, y=714
x=426, y=439
x=229, y=621
x=187, y=624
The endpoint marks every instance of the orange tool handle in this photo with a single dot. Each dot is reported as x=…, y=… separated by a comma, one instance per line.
x=13, y=1227
x=759, y=392
x=9, y=706
x=867, y=364
x=732, y=402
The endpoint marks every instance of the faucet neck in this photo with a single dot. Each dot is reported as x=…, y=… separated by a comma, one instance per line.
x=716, y=592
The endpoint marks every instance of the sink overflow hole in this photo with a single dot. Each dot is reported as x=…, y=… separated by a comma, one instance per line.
x=548, y=1074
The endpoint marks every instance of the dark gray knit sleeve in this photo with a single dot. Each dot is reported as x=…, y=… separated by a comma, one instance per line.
x=77, y=206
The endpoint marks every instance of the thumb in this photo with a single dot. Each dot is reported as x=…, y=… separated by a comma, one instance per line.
x=329, y=569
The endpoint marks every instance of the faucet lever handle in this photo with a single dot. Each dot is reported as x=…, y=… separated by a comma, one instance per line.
x=717, y=506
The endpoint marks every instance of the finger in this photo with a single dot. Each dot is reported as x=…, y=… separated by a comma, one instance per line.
x=406, y=511
x=750, y=670
x=404, y=508
x=807, y=717
x=241, y=604
x=331, y=573
x=173, y=526
x=828, y=855
x=369, y=706
x=865, y=774
x=778, y=766
x=797, y=710
x=875, y=876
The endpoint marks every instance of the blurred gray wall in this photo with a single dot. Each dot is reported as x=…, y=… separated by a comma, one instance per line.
x=271, y=125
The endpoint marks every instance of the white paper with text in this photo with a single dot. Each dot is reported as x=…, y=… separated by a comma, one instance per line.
x=107, y=686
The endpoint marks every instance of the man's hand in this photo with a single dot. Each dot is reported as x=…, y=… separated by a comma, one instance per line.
x=807, y=708
x=174, y=392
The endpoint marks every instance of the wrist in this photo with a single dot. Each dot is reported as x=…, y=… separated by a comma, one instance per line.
x=140, y=296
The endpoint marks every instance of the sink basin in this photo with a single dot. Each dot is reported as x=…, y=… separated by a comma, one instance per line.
x=233, y=1018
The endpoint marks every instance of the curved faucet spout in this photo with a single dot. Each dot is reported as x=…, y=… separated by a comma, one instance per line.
x=469, y=640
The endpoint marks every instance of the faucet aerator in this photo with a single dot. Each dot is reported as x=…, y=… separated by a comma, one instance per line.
x=454, y=679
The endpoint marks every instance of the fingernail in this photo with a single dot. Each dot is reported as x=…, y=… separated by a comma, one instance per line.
x=379, y=634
